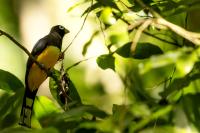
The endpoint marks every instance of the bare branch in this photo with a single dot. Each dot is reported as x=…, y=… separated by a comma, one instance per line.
x=136, y=24
x=77, y=63
x=138, y=34
x=25, y=50
x=190, y=36
x=161, y=23
x=156, y=37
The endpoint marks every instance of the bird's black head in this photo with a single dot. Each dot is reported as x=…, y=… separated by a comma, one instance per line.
x=60, y=30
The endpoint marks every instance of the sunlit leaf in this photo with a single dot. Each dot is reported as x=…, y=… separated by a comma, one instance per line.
x=184, y=59
x=43, y=106
x=9, y=82
x=118, y=38
x=106, y=61
x=107, y=16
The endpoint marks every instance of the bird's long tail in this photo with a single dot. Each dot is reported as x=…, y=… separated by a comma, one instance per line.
x=27, y=107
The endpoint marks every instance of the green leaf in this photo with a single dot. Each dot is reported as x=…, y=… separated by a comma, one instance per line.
x=9, y=82
x=87, y=44
x=142, y=51
x=9, y=120
x=122, y=114
x=154, y=116
x=71, y=118
x=25, y=130
x=104, y=126
x=106, y=61
x=73, y=98
x=145, y=50
x=43, y=106
x=81, y=110
x=73, y=95
x=176, y=85
x=107, y=16
x=9, y=103
x=125, y=50
x=95, y=111
x=183, y=58
x=191, y=106
x=180, y=83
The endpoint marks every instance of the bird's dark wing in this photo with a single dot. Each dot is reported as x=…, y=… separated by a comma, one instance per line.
x=40, y=46
x=37, y=50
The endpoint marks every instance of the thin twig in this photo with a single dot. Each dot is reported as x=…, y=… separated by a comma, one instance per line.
x=132, y=26
x=138, y=34
x=79, y=29
x=25, y=50
x=154, y=36
x=77, y=63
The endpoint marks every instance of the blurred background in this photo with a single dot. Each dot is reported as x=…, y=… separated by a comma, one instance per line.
x=156, y=90
x=30, y=20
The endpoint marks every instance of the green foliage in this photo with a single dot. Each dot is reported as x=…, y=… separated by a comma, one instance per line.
x=142, y=51
x=9, y=82
x=160, y=77
x=72, y=99
x=106, y=61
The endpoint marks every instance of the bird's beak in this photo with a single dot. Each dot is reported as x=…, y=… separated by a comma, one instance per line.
x=66, y=31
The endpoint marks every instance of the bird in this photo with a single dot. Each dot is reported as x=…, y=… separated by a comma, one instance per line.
x=47, y=52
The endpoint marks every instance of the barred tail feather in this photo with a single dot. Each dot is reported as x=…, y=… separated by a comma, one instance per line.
x=27, y=107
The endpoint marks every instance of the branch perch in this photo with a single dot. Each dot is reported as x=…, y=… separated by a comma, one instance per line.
x=25, y=50
x=160, y=23
x=41, y=66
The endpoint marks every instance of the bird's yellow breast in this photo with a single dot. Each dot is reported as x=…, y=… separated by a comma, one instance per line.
x=48, y=58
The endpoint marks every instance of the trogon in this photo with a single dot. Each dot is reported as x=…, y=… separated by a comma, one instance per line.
x=47, y=52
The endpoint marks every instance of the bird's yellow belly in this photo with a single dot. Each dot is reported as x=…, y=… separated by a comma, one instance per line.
x=48, y=58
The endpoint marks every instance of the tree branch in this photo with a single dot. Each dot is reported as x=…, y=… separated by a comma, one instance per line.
x=154, y=36
x=143, y=26
x=161, y=23
x=25, y=50
x=41, y=66
x=139, y=22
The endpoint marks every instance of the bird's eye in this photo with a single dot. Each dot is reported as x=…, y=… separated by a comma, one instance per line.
x=61, y=27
